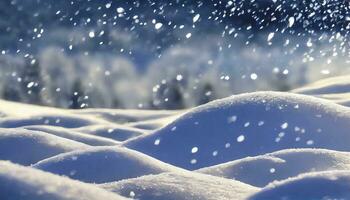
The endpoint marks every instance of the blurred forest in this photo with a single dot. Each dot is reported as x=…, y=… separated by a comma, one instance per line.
x=26, y=81
x=166, y=54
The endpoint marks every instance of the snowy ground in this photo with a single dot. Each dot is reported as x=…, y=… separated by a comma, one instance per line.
x=262, y=145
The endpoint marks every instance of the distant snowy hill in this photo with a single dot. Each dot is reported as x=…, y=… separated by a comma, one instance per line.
x=260, y=145
x=336, y=89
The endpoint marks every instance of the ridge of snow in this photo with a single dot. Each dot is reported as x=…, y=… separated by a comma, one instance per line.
x=19, y=182
x=114, y=132
x=181, y=185
x=321, y=185
x=103, y=164
x=73, y=135
x=28, y=147
x=248, y=125
x=337, y=84
x=262, y=170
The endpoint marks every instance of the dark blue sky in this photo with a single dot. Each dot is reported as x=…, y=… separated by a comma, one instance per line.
x=22, y=20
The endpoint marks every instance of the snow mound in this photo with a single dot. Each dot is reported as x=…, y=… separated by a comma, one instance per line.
x=248, y=125
x=14, y=109
x=329, y=185
x=153, y=124
x=336, y=89
x=74, y=135
x=339, y=98
x=18, y=182
x=181, y=185
x=18, y=115
x=103, y=164
x=262, y=170
x=115, y=132
x=338, y=84
x=126, y=116
x=28, y=147
x=52, y=120
x=14, y=114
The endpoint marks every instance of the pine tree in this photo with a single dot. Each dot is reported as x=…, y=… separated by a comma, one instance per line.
x=77, y=96
x=11, y=93
x=169, y=96
x=31, y=82
x=206, y=94
x=282, y=82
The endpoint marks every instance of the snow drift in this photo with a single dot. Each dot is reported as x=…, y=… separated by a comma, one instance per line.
x=181, y=185
x=103, y=164
x=28, y=147
x=73, y=135
x=248, y=125
x=115, y=132
x=336, y=89
x=18, y=182
x=333, y=85
x=126, y=116
x=262, y=170
x=313, y=186
x=262, y=145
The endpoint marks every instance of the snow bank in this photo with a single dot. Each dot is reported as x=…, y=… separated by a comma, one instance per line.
x=126, y=116
x=336, y=89
x=28, y=147
x=262, y=170
x=19, y=115
x=181, y=185
x=74, y=135
x=52, y=120
x=314, y=186
x=248, y=125
x=14, y=109
x=18, y=182
x=153, y=124
x=103, y=164
x=114, y=132
x=295, y=139
x=338, y=84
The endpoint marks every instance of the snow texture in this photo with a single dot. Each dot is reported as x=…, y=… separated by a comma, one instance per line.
x=28, y=147
x=181, y=185
x=106, y=163
x=261, y=145
x=262, y=170
x=336, y=89
x=248, y=125
x=323, y=185
x=18, y=182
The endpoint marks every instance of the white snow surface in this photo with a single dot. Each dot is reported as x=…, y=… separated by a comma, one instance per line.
x=248, y=125
x=19, y=182
x=181, y=185
x=261, y=145
x=330, y=185
x=28, y=147
x=106, y=163
x=264, y=169
x=336, y=89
